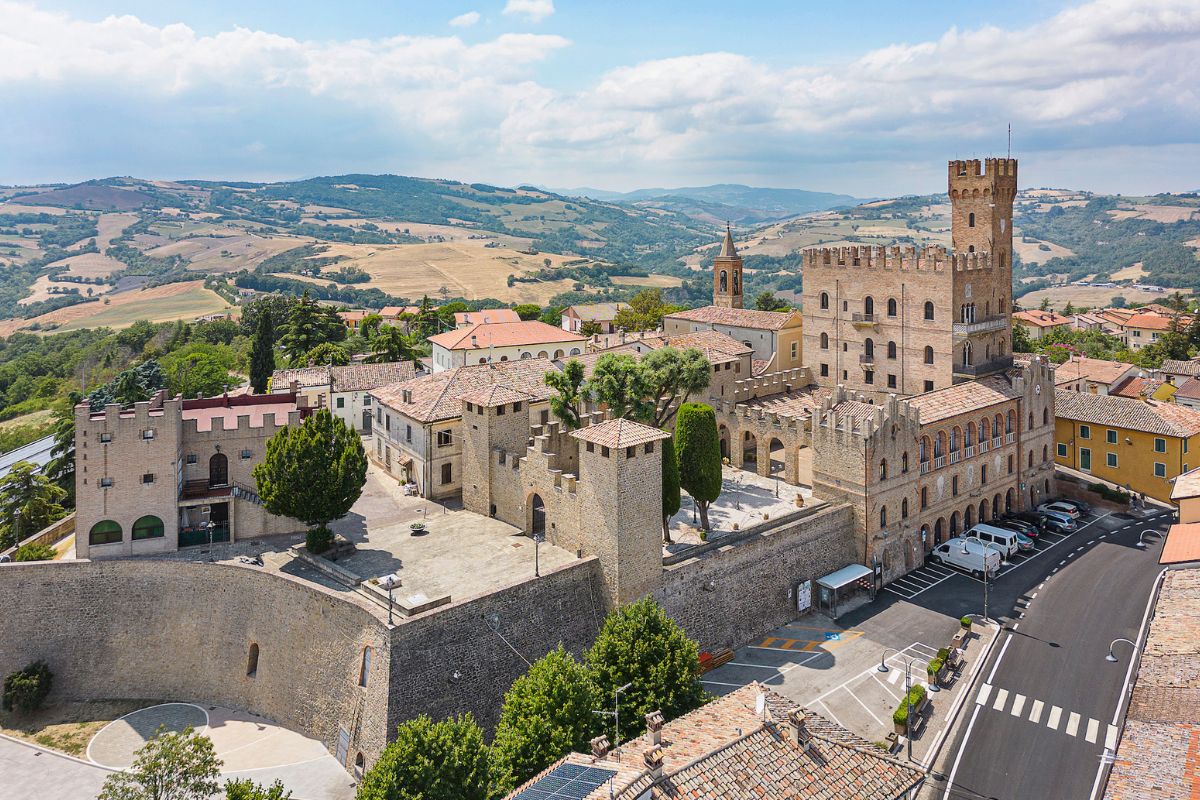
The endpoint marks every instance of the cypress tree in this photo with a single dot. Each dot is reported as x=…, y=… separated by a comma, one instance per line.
x=670, y=485
x=262, y=355
x=698, y=447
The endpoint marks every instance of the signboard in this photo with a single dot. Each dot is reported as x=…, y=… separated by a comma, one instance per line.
x=804, y=596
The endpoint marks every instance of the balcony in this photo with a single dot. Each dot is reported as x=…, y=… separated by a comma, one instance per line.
x=974, y=370
x=993, y=323
x=1009, y=437
x=983, y=446
x=939, y=462
x=969, y=451
x=858, y=318
x=997, y=442
x=925, y=467
x=867, y=360
x=955, y=456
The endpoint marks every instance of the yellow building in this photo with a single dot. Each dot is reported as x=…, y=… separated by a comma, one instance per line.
x=1142, y=446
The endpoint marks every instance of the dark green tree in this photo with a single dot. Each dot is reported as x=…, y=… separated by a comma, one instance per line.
x=171, y=766
x=698, y=447
x=619, y=382
x=672, y=376
x=370, y=325
x=527, y=311
x=393, y=344
x=547, y=713
x=308, y=325
x=670, y=486
x=1021, y=342
x=327, y=354
x=249, y=790
x=640, y=645
x=313, y=472
x=767, y=301
x=569, y=393
x=430, y=760
x=61, y=467
x=644, y=313
x=29, y=501
x=262, y=355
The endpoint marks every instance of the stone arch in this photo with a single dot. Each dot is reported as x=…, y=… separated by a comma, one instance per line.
x=966, y=354
x=939, y=445
x=983, y=510
x=543, y=354
x=558, y=354
x=106, y=531
x=535, y=514
x=953, y=525
x=824, y=340
x=997, y=426
x=996, y=506
x=218, y=470
x=939, y=530
x=968, y=517
x=892, y=307
x=574, y=351
x=1008, y=501
x=148, y=527
x=955, y=439
x=969, y=435
x=724, y=281
x=723, y=435
x=360, y=765
x=749, y=451
x=778, y=456
x=1010, y=422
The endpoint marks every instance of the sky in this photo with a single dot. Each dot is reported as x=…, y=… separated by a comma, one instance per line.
x=864, y=98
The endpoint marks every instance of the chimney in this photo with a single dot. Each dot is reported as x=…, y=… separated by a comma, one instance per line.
x=600, y=746
x=294, y=386
x=653, y=758
x=654, y=725
x=474, y=340
x=406, y=395
x=798, y=730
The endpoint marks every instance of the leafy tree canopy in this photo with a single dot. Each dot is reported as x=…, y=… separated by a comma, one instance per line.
x=430, y=760
x=645, y=312
x=569, y=393
x=171, y=766
x=29, y=501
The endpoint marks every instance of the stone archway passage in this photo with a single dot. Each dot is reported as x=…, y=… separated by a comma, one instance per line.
x=750, y=452
x=537, y=515
x=723, y=433
x=778, y=458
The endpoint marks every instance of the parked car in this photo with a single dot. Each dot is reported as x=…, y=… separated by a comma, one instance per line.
x=1024, y=543
x=967, y=554
x=1001, y=538
x=1029, y=517
x=1060, y=507
x=1080, y=506
x=1057, y=524
x=1020, y=526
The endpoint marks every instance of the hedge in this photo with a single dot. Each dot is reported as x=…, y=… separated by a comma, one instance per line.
x=915, y=695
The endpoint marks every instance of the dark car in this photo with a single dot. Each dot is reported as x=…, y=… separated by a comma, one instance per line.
x=1080, y=506
x=1059, y=525
x=1020, y=526
x=1030, y=517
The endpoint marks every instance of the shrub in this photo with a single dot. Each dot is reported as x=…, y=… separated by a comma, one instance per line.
x=34, y=551
x=944, y=653
x=966, y=622
x=26, y=689
x=935, y=666
x=318, y=540
x=915, y=695
x=1108, y=493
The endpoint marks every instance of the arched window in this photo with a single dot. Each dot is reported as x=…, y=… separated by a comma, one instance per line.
x=824, y=341
x=954, y=439
x=1030, y=459
x=966, y=354
x=939, y=445
x=891, y=306
x=969, y=435
x=104, y=532
x=971, y=248
x=869, y=305
x=1045, y=416
x=892, y=350
x=971, y=220
x=904, y=508
x=574, y=351
x=148, y=527
x=360, y=765
x=883, y=469
x=923, y=451
x=1045, y=453
x=928, y=354
x=364, y=671
x=929, y=310
x=904, y=462
x=869, y=347
x=1010, y=422
x=724, y=281
x=824, y=301
x=883, y=517
x=1029, y=427
x=252, y=661
x=924, y=497
x=997, y=424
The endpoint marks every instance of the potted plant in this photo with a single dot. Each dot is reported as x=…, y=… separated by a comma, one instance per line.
x=966, y=624
x=917, y=698
x=934, y=669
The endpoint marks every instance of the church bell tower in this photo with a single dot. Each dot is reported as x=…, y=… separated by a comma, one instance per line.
x=727, y=275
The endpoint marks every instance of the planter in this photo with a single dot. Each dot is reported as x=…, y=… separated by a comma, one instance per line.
x=418, y=529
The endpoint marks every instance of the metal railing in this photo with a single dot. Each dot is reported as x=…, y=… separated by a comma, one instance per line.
x=996, y=442
x=865, y=319
x=978, y=326
x=955, y=456
x=866, y=358
x=939, y=462
x=983, y=445
x=969, y=451
x=1009, y=437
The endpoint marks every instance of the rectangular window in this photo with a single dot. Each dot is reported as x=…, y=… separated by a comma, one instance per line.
x=447, y=473
x=824, y=370
x=1110, y=459
x=379, y=414
x=499, y=411
x=444, y=438
x=106, y=482
x=1185, y=444
x=1085, y=459
x=630, y=452
x=591, y=447
x=604, y=451
x=408, y=433
x=891, y=381
x=366, y=400
x=1110, y=436
x=1062, y=449
x=387, y=422
x=246, y=454
x=191, y=458
x=1160, y=445
x=148, y=477
x=148, y=433
x=341, y=402
x=1085, y=431
x=516, y=408
x=1160, y=469
x=869, y=377
x=795, y=350
x=929, y=386
x=106, y=437
x=649, y=448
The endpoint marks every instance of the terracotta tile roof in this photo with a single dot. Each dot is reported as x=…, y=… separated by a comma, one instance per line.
x=1189, y=389
x=738, y=317
x=790, y=405
x=353, y=316
x=1187, y=485
x=391, y=312
x=619, y=433
x=717, y=347
x=503, y=334
x=1160, y=746
x=1163, y=419
x=487, y=315
x=350, y=378
x=857, y=411
x=759, y=365
x=1041, y=319
x=596, y=312
x=963, y=398
x=1182, y=545
x=1136, y=387
x=1172, y=367
x=1091, y=369
x=438, y=396
x=1155, y=322
x=494, y=395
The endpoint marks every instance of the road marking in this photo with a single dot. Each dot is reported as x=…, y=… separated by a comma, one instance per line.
x=1110, y=739
x=1062, y=562
x=1052, y=720
x=1032, y=596
x=984, y=691
x=720, y=683
x=1035, y=713
x=1018, y=705
x=1093, y=727
x=1054, y=570
x=895, y=677
x=1073, y=724
x=869, y=711
x=958, y=758
x=1001, y=699
x=1016, y=625
x=831, y=714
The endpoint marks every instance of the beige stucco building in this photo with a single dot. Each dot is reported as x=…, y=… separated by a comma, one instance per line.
x=343, y=390
x=482, y=342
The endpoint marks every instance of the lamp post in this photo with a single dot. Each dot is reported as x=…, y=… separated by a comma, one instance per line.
x=538, y=538
x=1141, y=542
x=1112, y=657
x=389, y=582
x=986, y=546
x=883, y=667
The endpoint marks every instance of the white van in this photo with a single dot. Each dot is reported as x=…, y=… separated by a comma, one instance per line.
x=1002, y=538
x=973, y=560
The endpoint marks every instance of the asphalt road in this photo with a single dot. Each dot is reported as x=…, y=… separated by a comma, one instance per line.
x=1044, y=709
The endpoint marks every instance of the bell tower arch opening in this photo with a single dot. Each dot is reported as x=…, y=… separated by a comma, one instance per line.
x=727, y=274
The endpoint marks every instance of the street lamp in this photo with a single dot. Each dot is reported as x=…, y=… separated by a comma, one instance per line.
x=389, y=582
x=1112, y=657
x=986, y=547
x=883, y=667
x=538, y=538
x=1141, y=542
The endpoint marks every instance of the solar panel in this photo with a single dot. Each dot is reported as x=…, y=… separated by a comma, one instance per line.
x=567, y=782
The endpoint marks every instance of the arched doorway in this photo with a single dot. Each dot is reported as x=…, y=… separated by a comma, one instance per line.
x=939, y=530
x=366, y=420
x=218, y=470
x=778, y=457
x=926, y=544
x=996, y=505
x=968, y=517
x=954, y=525
x=537, y=515
x=983, y=510
x=750, y=452
x=723, y=434
x=1008, y=498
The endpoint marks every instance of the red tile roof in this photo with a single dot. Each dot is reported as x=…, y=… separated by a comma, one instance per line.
x=487, y=315
x=1182, y=545
x=439, y=396
x=619, y=433
x=1041, y=319
x=962, y=398
x=481, y=336
x=1189, y=389
x=739, y=317
x=1163, y=419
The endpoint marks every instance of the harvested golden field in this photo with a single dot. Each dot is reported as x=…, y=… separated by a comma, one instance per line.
x=41, y=290
x=1133, y=272
x=111, y=226
x=17, y=208
x=90, y=265
x=1090, y=296
x=159, y=304
x=226, y=253
x=1031, y=252
x=466, y=268
x=1166, y=214
x=653, y=281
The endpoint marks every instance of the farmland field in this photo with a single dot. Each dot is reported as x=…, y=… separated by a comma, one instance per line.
x=160, y=304
x=653, y=281
x=1089, y=296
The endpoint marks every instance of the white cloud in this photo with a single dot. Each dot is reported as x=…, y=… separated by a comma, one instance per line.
x=465, y=20
x=535, y=10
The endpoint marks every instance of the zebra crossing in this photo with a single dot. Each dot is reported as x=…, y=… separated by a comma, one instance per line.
x=1062, y=720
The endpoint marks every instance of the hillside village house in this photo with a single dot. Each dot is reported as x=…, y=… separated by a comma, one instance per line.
x=343, y=390
x=1146, y=328
x=170, y=473
x=776, y=337
x=1092, y=375
x=1039, y=323
x=353, y=319
x=464, y=318
x=1140, y=445
x=603, y=314
x=417, y=427
x=502, y=341
x=1179, y=371
x=1188, y=393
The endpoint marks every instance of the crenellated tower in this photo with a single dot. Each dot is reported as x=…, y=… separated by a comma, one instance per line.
x=727, y=274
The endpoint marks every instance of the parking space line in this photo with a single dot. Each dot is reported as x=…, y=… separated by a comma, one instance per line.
x=924, y=646
x=722, y=683
x=831, y=714
x=868, y=709
x=886, y=688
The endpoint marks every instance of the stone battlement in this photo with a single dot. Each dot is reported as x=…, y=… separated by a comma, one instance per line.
x=989, y=168
x=894, y=411
x=932, y=258
x=787, y=380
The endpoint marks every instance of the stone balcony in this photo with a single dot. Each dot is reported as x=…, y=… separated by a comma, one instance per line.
x=993, y=323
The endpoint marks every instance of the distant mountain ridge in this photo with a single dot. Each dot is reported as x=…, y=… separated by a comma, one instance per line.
x=734, y=202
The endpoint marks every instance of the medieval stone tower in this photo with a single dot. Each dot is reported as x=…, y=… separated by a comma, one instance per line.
x=981, y=201
x=727, y=275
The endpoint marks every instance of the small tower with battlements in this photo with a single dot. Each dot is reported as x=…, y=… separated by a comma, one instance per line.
x=727, y=274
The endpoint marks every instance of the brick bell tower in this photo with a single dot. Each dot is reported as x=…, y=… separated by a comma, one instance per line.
x=727, y=274
x=981, y=202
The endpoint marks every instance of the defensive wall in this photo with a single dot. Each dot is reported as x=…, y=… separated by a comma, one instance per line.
x=931, y=258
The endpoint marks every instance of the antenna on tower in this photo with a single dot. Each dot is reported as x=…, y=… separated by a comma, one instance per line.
x=1010, y=140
